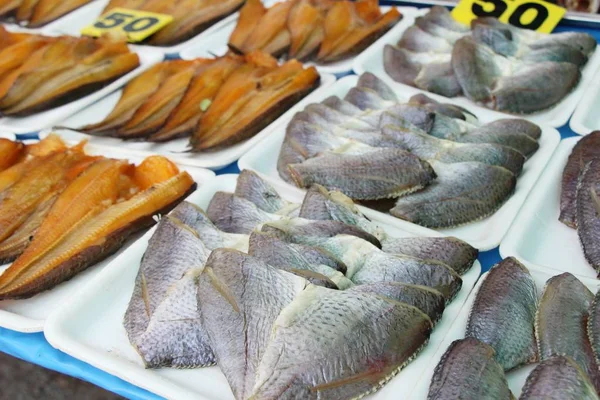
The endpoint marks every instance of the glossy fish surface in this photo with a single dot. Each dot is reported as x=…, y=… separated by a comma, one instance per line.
x=468, y=370
x=503, y=314
x=162, y=320
x=558, y=378
x=465, y=183
x=310, y=355
x=566, y=302
x=586, y=150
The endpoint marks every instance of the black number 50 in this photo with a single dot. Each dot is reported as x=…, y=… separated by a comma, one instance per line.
x=496, y=12
x=137, y=25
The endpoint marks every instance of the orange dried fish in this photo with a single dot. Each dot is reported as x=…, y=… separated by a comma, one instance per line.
x=250, y=15
x=305, y=24
x=270, y=34
x=47, y=11
x=11, y=152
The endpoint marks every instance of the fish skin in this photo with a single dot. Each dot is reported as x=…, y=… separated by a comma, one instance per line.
x=239, y=298
x=162, y=320
x=426, y=299
x=370, y=81
x=430, y=26
x=586, y=150
x=587, y=213
x=593, y=327
x=336, y=117
x=581, y=41
x=252, y=187
x=342, y=106
x=466, y=183
x=249, y=17
x=510, y=132
x=334, y=323
x=497, y=36
x=442, y=17
x=212, y=238
x=302, y=231
x=399, y=66
x=558, y=378
x=392, y=172
x=430, y=147
x=557, y=53
x=449, y=110
x=366, y=99
x=469, y=371
x=234, y=214
x=451, y=251
x=11, y=152
x=47, y=11
x=321, y=204
x=475, y=68
x=305, y=24
x=417, y=40
x=566, y=302
x=504, y=312
x=527, y=91
x=438, y=78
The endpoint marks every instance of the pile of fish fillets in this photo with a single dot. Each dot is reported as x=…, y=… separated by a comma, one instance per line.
x=306, y=300
x=509, y=327
x=498, y=65
x=372, y=147
x=579, y=198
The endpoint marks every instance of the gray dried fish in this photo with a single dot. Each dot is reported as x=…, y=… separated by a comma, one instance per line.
x=234, y=214
x=503, y=314
x=588, y=212
x=252, y=187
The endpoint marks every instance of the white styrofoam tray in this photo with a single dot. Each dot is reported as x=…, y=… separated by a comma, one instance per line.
x=485, y=234
x=537, y=236
x=372, y=61
x=217, y=42
x=48, y=118
x=516, y=379
x=586, y=117
x=91, y=329
x=29, y=315
x=74, y=22
x=174, y=149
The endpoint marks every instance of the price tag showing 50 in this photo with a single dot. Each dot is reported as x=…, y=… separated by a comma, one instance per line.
x=537, y=15
x=134, y=24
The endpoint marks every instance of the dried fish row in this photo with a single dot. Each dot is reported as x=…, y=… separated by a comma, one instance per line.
x=421, y=153
x=267, y=289
x=509, y=326
x=494, y=64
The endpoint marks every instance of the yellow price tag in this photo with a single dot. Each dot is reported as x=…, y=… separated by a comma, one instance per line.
x=136, y=25
x=537, y=15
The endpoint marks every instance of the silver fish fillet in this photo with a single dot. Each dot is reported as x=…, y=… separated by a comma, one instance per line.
x=162, y=320
x=429, y=147
x=468, y=371
x=370, y=81
x=558, y=378
x=476, y=68
x=417, y=40
x=365, y=173
x=240, y=298
x=313, y=353
x=252, y=187
x=588, y=212
x=463, y=192
x=593, y=327
x=561, y=323
x=586, y=150
x=453, y=252
x=503, y=314
x=449, y=110
x=426, y=299
x=234, y=214
x=517, y=134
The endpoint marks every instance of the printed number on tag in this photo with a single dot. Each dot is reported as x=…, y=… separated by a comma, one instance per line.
x=134, y=24
x=536, y=15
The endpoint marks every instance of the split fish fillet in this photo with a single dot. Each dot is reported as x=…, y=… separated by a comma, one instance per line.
x=252, y=187
x=468, y=370
x=162, y=320
x=11, y=152
x=310, y=359
x=47, y=11
x=588, y=212
x=503, y=314
x=234, y=214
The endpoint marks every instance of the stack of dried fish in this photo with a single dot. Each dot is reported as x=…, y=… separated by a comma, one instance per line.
x=219, y=101
x=39, y=72
x=508, y=328
x=190, y=17
x=323, y=30
x=580, y=196
x=284, y=296
x=36, y=13
x=439, y=151
x=498, y=65
x=62, y=210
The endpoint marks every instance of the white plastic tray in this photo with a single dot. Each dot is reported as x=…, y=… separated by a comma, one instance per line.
x=586, y=118
x=485, y=234
x=516, y=379
x=74, y=22
x=29, y=315
x=537, y=236
x=217, y=42
x=372, y=61
x=91, y=328
x=45, y=119
x=174, y=149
